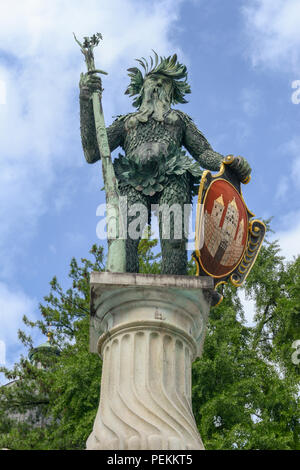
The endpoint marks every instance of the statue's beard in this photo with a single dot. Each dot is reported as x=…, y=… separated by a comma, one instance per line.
x=155, y=104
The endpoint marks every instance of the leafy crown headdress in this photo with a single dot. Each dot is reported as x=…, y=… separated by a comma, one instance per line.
x=168, y=67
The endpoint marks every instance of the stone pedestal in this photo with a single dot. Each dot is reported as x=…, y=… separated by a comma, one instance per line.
x=148, y=329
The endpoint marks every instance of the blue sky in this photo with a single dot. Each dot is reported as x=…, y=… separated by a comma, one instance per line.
x=242, y=58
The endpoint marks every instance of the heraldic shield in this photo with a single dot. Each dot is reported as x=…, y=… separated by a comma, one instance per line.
x=228, y=239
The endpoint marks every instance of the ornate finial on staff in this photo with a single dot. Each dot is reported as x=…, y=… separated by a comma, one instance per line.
x=87, y=48
x=116, y=258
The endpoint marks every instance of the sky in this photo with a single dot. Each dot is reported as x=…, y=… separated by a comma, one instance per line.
x=243, y=59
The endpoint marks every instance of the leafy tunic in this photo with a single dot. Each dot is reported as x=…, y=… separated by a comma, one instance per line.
x=153, y=149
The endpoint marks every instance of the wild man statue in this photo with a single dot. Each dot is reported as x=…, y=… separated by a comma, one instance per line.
x=155, y=169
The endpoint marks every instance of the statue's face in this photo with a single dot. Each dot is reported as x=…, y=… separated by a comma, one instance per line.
x=157, y=87
x=156, y=101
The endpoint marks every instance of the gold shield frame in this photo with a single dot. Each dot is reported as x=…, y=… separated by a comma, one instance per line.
x=255, y=232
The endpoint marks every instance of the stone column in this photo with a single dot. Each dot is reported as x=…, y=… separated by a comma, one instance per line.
x=148, y=329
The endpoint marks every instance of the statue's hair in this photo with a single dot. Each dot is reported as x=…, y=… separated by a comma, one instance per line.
x=168, y=67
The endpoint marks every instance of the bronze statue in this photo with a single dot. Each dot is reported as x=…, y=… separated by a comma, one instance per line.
x=154, y=169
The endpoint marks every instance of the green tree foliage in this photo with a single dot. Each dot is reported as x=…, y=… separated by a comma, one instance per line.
x=69, y=383
x=245, y=387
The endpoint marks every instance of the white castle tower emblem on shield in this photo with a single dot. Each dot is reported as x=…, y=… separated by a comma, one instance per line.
x=224, y=243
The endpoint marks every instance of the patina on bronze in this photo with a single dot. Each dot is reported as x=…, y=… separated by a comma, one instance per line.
x=154, y=168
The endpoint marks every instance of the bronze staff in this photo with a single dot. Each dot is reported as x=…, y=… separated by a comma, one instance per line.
x=116, y=258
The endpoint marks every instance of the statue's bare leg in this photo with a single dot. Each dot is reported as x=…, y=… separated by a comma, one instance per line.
x=133, y=197
x=174, y=255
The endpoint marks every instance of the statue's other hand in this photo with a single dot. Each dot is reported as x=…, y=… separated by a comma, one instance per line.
x=240, y=166
x=88, y=84
x=244, y=170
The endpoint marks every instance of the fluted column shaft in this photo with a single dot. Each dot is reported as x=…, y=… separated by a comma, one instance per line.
x=150, y=335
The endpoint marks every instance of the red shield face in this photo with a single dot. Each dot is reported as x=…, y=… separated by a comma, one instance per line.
x=224, y=229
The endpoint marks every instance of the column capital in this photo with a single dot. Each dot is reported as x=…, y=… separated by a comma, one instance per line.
x=124, y=300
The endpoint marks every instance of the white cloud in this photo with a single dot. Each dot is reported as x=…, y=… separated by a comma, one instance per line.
x=290, y=152
x=39, y=124
x=248, y=307
x=282, y=187
x=289, y=240
x=251, y=101
x=274, y=33
x=274, y=42
x=296, y=170
x=14, y=305
x=2, y=92
x=2, y=352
